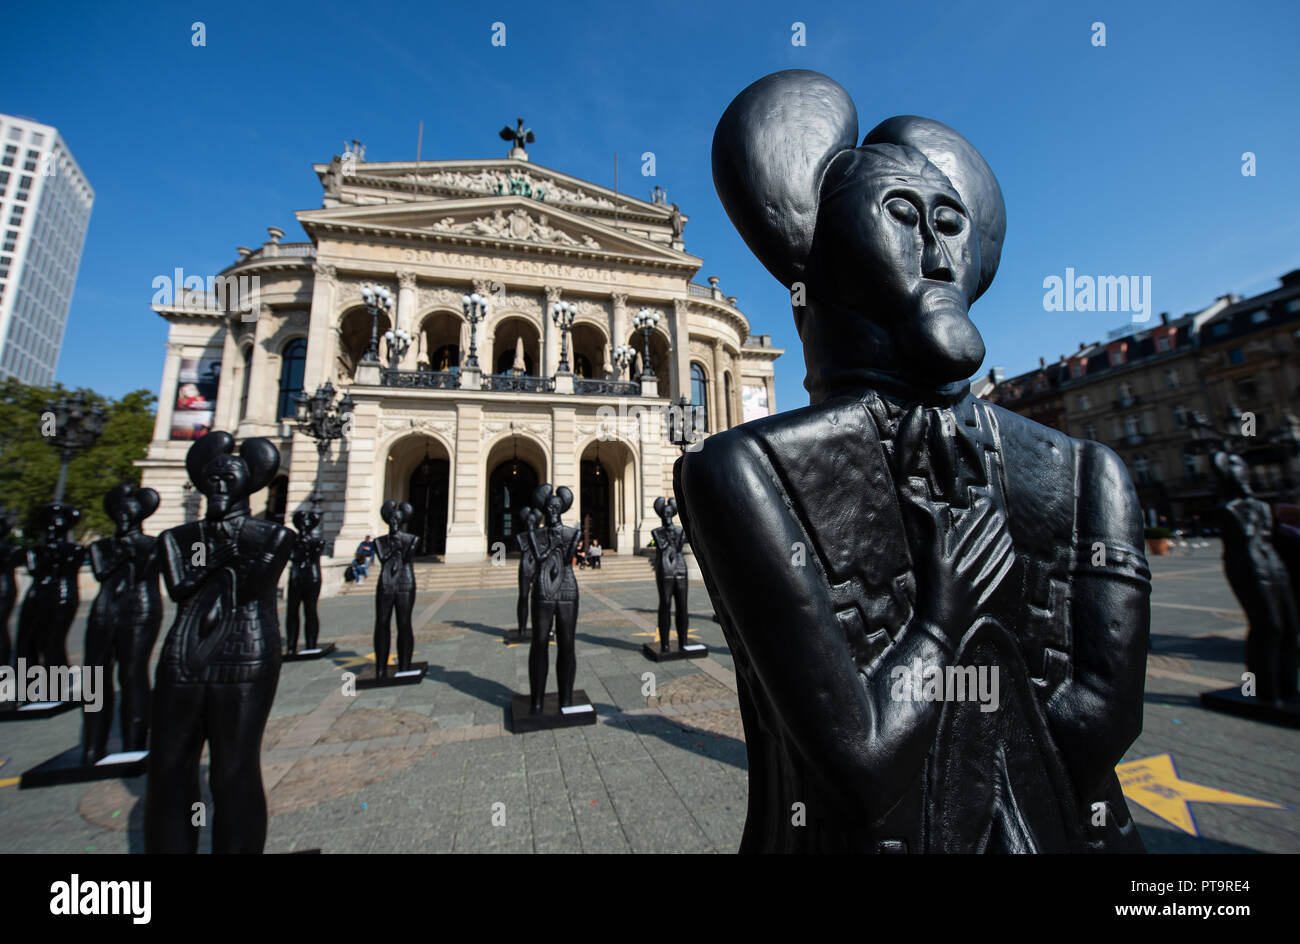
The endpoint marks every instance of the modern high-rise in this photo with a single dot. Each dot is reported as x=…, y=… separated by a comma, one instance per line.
x=45, y=206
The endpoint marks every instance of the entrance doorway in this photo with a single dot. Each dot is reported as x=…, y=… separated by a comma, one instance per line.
x=428, y=498
x=510, y=489
x=594, y=516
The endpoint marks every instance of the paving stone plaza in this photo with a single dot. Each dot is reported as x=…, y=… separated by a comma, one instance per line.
x=433, y=767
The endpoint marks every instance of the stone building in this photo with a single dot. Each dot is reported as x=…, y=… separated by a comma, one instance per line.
x=465, y=446
x=1136, y=392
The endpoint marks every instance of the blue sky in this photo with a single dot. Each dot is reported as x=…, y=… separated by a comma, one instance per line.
x=1122, y=160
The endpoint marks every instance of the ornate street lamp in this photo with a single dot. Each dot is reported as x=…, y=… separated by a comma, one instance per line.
x=563, y=313
x=379, y=301
x=399, y=342
x=320, y=418
x=645, y=321
x=685, y=423
x=475, y=307
x=623, y=355
x=77, y=426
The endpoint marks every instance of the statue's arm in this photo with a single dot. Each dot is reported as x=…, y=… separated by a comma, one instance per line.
x=181, y=577
x=1096, y=714
x=107, y=555
x=866, y=744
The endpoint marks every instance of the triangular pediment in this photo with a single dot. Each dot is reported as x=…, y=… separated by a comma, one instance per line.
x=506, y=222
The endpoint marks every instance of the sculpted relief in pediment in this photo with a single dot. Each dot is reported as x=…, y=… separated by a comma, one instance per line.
x=518, y=224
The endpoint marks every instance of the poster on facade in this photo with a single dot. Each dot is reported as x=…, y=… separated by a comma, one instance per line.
x=753, y=402
x=196, y=397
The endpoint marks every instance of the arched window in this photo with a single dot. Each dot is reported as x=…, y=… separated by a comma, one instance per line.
x=244, y=381
x=726, y=383
x=293, y=363
x=700, y=396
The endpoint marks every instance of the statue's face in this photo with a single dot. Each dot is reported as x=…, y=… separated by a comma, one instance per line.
x=225, y=481
x=127, y=513
x=553, y=512
x=903, y=252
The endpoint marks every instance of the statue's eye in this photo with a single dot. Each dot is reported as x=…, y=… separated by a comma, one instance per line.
x=903, y=211
x=948, y=221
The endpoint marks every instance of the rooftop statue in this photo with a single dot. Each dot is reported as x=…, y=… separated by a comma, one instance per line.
x=938, y=609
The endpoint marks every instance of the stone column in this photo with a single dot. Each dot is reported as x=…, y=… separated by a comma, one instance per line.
x=680, y=385
x=407, y=299
x=319, y=367
x=224, y=416
x=355, y=489
x=467, y=532
x=718, y=389
x=162, y=427
x=564, y=459
x=262, y=389
x=650, y=433
x=618, y=323
x=550, y=334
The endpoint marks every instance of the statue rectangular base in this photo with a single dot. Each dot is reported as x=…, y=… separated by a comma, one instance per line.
x=412, y=676
x=31, y=710
x=303, y=655
x=693, y=650
x=1232, y=701
x=68, y=768
x=522, y=720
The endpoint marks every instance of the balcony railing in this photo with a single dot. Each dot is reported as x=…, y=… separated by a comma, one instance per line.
x=607, y=388
x=519, y=383
x=424, y=379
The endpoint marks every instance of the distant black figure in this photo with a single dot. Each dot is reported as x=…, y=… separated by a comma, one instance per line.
x=220, y=663
x=555, y=598
x=395, y=589
x=531, y=518
x=305, y=578
x=1259, y=578
x=124, y=620
x=50, y=604
x=670, y=573
x=938, y=609
x=518, y=136
x=11, y=555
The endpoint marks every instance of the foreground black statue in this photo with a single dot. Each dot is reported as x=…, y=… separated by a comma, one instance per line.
x=670, y=573
x=555, y=598
x=898, y=527
x=305, y=578
x=11, y=555
x=531, y=518
x=1261, y=581
x=395, y=589
x=220, y=663
x=124, y=620
x=50, y=604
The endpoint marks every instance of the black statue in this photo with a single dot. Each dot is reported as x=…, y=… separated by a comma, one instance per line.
x=899, y=529
x=1261, y=581
x=50, y=604
x=670, y=573
x=531, y=518
x=220, y=663
x=395, y=589
x=124, y=620
x=555, y=598
x=11, y=555
x=518, y=136
x=305, y=578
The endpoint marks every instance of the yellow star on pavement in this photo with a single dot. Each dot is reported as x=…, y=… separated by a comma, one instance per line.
x=7, y=781
x=1153, y=784
x=351, y=662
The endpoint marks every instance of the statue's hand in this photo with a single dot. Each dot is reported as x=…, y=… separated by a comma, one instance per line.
x=961, y=557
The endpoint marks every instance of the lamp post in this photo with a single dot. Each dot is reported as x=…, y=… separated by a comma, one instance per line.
x=645, y=320
x=563, y=313
x=320, y=418
x=623, y=355
x=379, y=301
x=475, y=307
x=77, y=426
x=399, y=342
x=684, y=423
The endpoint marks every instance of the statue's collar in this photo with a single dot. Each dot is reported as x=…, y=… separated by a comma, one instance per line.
x=891, y=387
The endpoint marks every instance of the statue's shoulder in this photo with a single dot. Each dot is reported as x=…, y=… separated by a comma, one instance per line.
x=183, y=534
x=266, y=532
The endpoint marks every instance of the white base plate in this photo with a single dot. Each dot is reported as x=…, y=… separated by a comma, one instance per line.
x=576, y=709
x=122, y=757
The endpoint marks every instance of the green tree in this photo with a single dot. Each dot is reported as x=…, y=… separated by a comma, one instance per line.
x=29, y=465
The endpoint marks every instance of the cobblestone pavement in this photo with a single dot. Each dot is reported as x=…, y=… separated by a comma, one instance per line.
x=432, y=767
